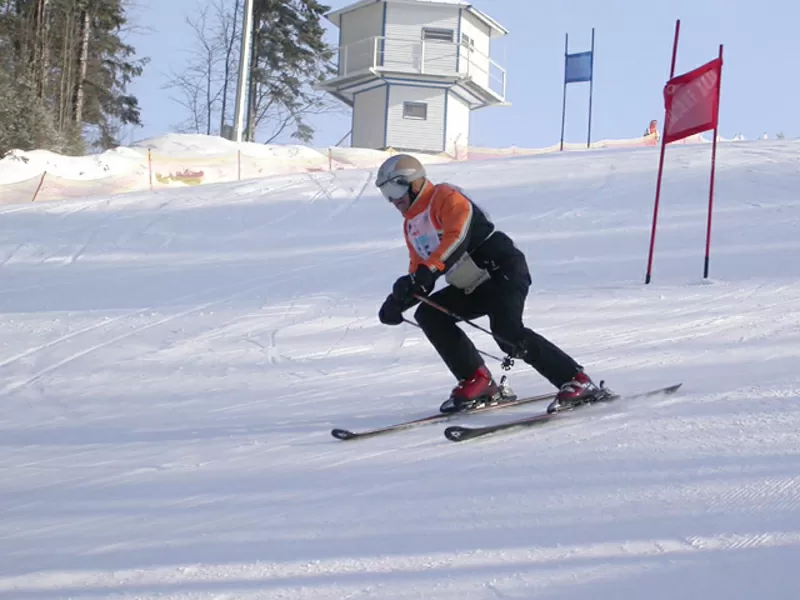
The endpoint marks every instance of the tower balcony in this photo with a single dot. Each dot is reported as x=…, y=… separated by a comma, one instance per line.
x=478, y=77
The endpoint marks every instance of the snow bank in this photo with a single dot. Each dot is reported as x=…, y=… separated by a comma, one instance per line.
x=177, y=160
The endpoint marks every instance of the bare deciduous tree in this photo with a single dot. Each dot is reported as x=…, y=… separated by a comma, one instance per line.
x=228, y=27
x=198, y=83
x=205, y=87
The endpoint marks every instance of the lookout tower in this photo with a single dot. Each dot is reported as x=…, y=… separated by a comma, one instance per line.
x=414, y=70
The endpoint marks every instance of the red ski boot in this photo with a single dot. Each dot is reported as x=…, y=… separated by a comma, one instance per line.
x=579, y=390
x=479, y=390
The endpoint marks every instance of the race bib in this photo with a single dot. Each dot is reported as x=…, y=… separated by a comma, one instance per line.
x=423, y=235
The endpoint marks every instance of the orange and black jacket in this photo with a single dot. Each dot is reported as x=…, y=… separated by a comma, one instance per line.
x=443, y=223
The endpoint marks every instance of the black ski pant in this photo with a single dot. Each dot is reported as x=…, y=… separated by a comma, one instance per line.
x=503, y=301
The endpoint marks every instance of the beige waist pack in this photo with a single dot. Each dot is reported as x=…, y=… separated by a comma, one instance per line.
x=466, y=275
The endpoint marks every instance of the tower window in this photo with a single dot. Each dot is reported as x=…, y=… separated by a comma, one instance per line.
x=415, y=110
x=437, y=35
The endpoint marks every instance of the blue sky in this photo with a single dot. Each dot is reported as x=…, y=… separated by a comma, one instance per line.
x=633, y=47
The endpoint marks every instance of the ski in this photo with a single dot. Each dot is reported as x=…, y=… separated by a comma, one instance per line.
x=458, y=433
x=345, y=434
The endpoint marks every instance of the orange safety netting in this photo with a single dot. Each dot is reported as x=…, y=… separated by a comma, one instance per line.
x=155, y=170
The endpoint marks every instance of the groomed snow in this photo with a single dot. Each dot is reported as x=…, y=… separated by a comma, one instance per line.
x=171, y=365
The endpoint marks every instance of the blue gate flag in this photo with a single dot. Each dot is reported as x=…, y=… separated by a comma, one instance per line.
x=578, y=68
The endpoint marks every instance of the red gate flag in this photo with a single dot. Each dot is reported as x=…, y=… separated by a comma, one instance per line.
x=691, y=101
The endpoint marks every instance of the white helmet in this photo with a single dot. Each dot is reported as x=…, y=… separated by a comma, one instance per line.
x=396, y=174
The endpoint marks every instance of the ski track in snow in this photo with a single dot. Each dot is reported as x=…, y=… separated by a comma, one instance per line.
x=172, y=365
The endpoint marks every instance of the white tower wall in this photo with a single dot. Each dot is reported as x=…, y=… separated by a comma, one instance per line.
x=413, y=71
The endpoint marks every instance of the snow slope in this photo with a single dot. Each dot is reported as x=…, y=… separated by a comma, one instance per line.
x=172, y=363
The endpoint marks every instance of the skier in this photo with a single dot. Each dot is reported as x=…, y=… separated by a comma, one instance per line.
x=447, y=233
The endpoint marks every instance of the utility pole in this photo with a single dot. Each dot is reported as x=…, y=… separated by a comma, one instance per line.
x=244, y=69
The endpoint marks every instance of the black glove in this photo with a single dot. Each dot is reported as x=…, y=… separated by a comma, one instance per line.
x=391, y=313
x=425, y=280
x=420, y=282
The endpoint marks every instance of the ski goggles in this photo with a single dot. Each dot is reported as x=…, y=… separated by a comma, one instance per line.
x=394, y=189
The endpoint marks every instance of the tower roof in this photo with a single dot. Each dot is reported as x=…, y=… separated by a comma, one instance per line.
x=496, y=30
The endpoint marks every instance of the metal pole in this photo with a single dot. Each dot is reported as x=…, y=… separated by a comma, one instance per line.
x=591, y=89
x=486, y=354
x=440, y=308
x=244, y=70
x=713, y=168
x=661, y=160
x=564, y=96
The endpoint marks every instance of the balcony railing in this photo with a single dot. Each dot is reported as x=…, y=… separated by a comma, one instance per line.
x=423, y=57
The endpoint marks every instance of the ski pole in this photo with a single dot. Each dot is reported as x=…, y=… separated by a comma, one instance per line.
x=486, y=354
x=430, y=302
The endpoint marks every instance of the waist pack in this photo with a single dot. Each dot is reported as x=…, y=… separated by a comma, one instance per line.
x=466, y=275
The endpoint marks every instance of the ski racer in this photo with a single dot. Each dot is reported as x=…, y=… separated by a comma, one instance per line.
x=487, y=275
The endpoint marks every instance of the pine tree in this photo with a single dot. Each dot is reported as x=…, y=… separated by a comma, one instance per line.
x=289, y=57
x=106, y=67
x=67, y=68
